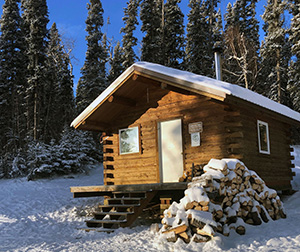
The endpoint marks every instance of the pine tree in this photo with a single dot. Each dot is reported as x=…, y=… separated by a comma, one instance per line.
x=129, y=41
x=294, y=68
x=275, y=52
x=61, y=99
x=35, y=16
x=230, y=65
x=52, y=89
x=230, y=16
x=173, y=36
x=197, y=35
x=217, y=29
x=202, y=33
x=116, y=60
x=93, y=79
x=151, y=17
x=242, y=44
x=12, y=77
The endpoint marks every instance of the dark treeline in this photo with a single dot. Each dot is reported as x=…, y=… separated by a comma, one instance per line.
x=36, y=96
x=269, y=67
x=36, y=82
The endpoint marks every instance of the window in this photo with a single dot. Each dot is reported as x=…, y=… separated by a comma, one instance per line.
x=129, y=140
x=263, y=137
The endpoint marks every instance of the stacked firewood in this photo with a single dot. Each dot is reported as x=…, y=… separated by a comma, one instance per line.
x=189, y=174
x=226, y=197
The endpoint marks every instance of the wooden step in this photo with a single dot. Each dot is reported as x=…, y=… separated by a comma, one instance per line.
x=124, y=201
x=127, y=198
x=113, y=215
x=118, y=206
x=121, y=211
x=139, y=194
x=105, y=223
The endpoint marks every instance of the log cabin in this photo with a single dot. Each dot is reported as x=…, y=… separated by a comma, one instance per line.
x=158, y=121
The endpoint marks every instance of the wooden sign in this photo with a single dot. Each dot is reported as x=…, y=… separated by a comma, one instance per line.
x=195, y=127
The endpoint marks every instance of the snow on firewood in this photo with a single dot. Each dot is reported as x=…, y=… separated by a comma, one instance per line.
x=217, y=164
x=223, y=199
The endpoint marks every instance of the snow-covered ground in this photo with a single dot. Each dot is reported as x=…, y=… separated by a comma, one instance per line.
x=42, y=216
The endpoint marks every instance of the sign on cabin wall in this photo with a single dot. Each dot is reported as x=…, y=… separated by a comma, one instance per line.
x=195, y=129
x=195, y=139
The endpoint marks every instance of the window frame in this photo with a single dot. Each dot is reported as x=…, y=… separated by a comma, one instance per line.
x=259, y=122
x=137, y=144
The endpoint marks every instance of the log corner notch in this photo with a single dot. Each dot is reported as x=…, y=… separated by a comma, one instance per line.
x=122, y=101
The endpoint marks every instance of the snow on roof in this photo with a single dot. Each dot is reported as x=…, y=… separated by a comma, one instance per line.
x=190, y=80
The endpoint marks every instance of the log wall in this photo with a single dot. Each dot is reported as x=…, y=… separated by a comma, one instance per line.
x=143, y=167
x=274, y=168
x=228, y=132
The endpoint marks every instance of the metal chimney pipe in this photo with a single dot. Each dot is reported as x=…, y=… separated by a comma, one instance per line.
x=218, y=60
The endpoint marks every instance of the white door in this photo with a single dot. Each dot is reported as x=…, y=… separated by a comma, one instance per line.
x=170, y=150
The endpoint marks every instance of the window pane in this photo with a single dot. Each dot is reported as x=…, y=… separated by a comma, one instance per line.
x=129, y=140
x=263, y=137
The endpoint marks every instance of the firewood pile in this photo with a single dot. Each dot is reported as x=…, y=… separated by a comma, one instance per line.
x=194, y=171
x=226, y=197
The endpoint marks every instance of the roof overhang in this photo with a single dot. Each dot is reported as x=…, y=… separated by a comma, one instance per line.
x=183, y=80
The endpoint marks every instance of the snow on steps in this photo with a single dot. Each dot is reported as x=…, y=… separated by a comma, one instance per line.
x=224, y=198
x=120, y=211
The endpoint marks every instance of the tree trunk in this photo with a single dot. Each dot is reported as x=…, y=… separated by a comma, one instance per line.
x=278, y=80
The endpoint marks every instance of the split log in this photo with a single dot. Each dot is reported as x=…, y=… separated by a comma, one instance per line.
x=241, y=230
x=203, y=232
x=176, y=230
x=199, y=238
x=185, y=237
x=196, y=223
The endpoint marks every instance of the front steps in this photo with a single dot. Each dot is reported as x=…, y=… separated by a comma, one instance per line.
x=121, y=210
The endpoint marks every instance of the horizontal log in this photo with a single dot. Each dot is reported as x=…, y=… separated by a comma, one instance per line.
x=137, y=171
x=176, y=230
x=132, y=187
x=135, y=162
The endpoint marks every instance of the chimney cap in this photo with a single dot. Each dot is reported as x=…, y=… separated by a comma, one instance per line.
x=217, y=48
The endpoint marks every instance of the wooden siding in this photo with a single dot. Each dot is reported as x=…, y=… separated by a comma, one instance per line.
x=274, y=168
x=144, y=167
x=229, y=131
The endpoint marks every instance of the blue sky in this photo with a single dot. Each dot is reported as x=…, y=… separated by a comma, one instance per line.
x=70, y=16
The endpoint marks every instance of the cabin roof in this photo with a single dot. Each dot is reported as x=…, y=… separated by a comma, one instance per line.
x=188, y=81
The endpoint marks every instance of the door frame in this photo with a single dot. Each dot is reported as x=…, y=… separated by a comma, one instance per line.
x=158, y=146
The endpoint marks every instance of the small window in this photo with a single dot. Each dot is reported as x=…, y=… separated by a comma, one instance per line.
x=263, y=137
x=129, y=140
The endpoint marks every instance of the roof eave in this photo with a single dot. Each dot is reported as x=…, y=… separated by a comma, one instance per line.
x=80, y=119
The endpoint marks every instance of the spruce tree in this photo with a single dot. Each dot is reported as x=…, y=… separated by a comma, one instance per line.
x=242, y=44
x=275, y=52
x=93, y=79
x=129, y=41
x=52, y=89
x=61, y=98
x=12, y=77
x=35, y=16
x=151, y=17
x=173, y=35
x=230, y=65
x=217, y=29
x=202, y=33
x=115, y=61
x=294, y=68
